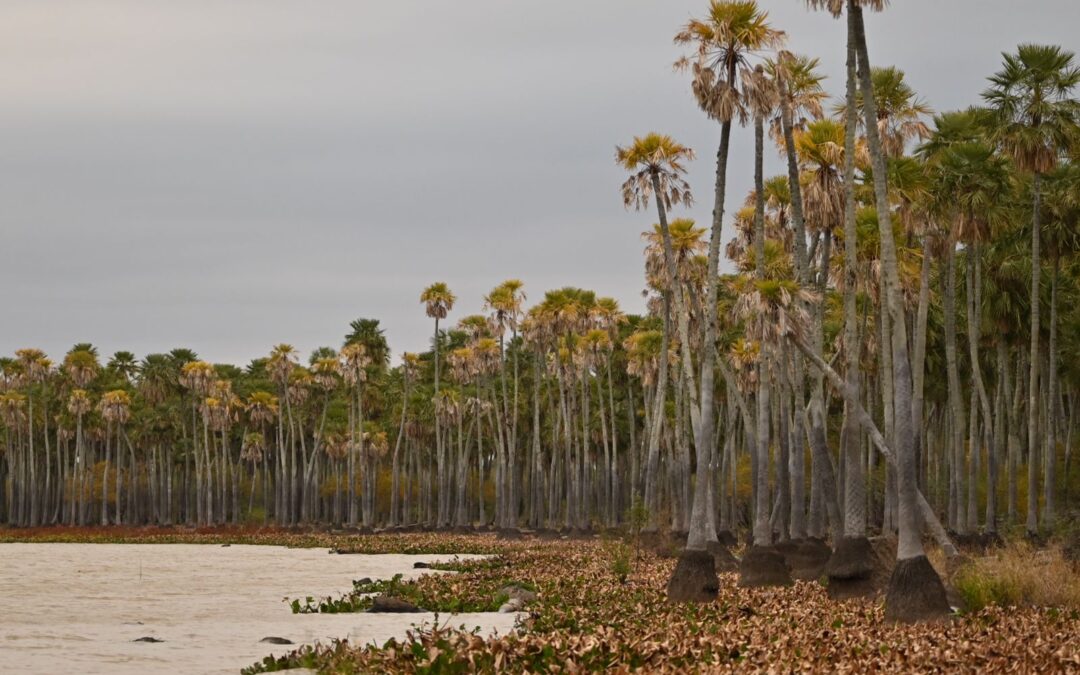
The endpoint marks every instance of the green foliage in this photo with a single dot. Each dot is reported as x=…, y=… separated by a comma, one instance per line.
x=620, y=562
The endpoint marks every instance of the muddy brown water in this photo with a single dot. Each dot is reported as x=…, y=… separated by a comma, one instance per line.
x=79, y=607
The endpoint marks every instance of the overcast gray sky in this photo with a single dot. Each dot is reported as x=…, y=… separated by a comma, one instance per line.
x=225, y=175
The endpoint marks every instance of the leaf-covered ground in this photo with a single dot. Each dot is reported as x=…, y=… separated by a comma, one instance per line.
x=587, y=619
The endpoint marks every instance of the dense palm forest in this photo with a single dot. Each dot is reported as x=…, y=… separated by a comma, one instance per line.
x=895, y=351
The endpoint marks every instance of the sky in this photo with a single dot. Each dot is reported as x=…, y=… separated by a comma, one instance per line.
x=229, y=175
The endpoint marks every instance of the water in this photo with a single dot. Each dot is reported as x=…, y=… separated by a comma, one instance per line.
x=78, y=607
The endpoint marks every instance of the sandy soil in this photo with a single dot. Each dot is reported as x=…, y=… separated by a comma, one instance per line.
x=78, y=607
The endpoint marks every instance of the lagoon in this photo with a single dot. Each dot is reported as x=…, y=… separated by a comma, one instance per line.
x=80, y=607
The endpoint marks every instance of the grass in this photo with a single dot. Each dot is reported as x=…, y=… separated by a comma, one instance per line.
x=1019, y=575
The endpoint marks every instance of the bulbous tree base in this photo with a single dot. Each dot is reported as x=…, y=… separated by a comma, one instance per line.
x=663, y=544
x=694, y=578
x=763, y=566
x=723, y=559
x=852, y=570
x=915, y=593
x=727, y=538
x=806, y=558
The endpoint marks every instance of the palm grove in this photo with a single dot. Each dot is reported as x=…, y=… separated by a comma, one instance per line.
x=896, y=352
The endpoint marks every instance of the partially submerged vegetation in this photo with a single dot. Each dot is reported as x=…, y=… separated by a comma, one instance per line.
x=597, y=608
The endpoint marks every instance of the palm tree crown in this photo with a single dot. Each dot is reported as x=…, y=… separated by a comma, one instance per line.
x=655, y=156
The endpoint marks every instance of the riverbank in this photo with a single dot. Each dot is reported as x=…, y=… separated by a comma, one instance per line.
x=601, y=605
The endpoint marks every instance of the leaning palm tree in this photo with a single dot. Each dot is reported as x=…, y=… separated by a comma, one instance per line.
x=1036, y=121
x=438, y=301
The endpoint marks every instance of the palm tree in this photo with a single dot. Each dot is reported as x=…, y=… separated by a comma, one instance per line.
x=1061, y=237
x=724, y=45
x=799, y=94
x=900, y=112
x=115, y=408
x=915, y=590
x=79, y=404
x=262, y=409
x=821, y=151
x=505, y=304
x=124, y=364
x=198, y=377
x=851, y=561
x=13, y=414
x=35, y=368
x=657, y=166
x=972, y=179
x=1036, y=121
x=438, y=301
x=762, y=565
x=354, y=370
x=81, y=367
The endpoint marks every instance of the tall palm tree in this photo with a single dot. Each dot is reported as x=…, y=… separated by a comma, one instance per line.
x=438, y=301
x=1061, y=237
x=198, y=377
x=1036, y=122
x=657, y=166
x=115, y=407
x=505, y=304
x=724, y=45
x=35, y=368
x=354, y=370
x=13, y=415
x=972, y=179
x=800, y=94
x=851, y=561
x=915, y=590
x=79, y=404
x=821, y=151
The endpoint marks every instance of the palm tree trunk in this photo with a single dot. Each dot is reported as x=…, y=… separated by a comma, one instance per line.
x=652, y=460
x=956, y=404
x=105, y=477
x=925, y=511
x=910, y=540
x=918, y=360
x=1033, y=373
x=1051, y=410
x=762, y=532
x=850, y=436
